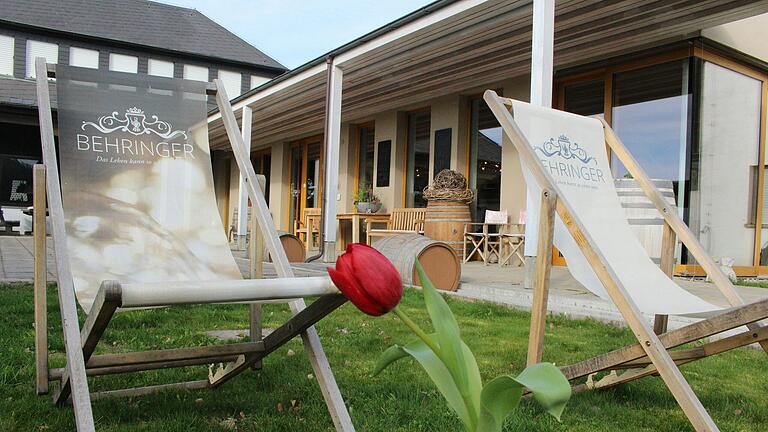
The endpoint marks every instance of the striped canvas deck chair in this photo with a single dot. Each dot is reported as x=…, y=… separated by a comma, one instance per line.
x=565, y=164
x=135, y=225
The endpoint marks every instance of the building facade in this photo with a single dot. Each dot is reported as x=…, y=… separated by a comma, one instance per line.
x=143, y=37
x=687, y=95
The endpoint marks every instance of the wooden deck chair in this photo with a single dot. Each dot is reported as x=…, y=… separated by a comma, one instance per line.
x=564, y=159
x=144, y=178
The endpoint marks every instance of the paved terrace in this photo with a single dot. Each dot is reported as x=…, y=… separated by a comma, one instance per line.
x=478, y=282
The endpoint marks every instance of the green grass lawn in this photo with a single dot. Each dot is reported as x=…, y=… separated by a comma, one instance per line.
x=733, y=386
x=752, y=283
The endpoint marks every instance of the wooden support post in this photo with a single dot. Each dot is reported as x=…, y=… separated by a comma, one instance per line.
x=541, y=281
x=41, y=280
x=256, y=267
x=667, y=264
x=81, y=397
x=107, y=300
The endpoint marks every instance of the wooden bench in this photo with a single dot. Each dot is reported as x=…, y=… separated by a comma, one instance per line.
x=401, y=221
x=309, y=227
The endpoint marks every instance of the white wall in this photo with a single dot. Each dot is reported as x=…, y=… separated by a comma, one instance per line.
x=386, y=129
x=512, y=182
x=747, y=35
x=730, y=125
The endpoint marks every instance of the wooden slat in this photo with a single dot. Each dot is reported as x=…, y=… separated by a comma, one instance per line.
x=667, y=265
x=690, y=333
x=142, y=391
x=642, y=368
x=541, y=283
x=708, y=349
x=41, y=280
x=175, y=354
x=81, y=400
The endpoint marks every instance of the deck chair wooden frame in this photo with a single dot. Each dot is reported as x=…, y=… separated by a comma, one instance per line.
x=80, y=343
x=401, y=221
x=650, y=355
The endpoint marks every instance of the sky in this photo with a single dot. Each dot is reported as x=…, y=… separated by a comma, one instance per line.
x=294, y=32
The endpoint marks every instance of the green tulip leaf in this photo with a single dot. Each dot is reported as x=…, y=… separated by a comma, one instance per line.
x=442, y=378
x=457, y=357
x=549, y=386
x=391, y=355
x=499, y=398
x=501, y=395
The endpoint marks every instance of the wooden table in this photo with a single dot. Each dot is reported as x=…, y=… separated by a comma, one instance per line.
x=355, y=219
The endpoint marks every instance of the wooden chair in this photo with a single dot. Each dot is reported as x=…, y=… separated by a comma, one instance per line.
x=138, y=287
x=309, y=227
x=512, y=239
x=486, y=243
x=624, y=281
x=401, y=221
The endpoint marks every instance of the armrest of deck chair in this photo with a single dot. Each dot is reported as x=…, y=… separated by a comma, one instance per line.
x=223, y=291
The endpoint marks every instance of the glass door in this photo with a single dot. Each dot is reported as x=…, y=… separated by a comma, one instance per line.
x=306, y=178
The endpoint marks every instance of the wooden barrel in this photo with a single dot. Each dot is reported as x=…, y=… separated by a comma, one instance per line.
x=643, y=217
x=444, y=221
x=440, y=261
x=293, y=246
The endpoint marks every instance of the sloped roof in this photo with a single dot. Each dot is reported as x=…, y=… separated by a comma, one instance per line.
x=138, y=22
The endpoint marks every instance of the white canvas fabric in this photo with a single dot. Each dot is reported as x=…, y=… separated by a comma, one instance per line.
x=136, y=182
x=572, y=150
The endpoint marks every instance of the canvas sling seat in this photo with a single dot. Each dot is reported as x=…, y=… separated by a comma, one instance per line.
x=135, y=224
x=577, y=210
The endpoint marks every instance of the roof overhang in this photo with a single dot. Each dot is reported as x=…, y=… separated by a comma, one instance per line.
x=462, y=46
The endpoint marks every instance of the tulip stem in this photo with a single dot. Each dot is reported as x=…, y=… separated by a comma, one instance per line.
x=416, y=329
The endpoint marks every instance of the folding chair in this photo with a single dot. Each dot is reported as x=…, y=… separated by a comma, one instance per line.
x=137, y=187
x=512, y=244
x=484, y=242
x=565, y=163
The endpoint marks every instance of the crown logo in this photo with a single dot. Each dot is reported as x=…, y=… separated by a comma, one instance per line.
x=564, y=148
x=134, y=121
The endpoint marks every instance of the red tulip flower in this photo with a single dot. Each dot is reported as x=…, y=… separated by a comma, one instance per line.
x=367, y=279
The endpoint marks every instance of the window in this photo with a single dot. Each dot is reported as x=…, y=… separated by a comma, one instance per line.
x=417, y=164
x=6, y=55
x=123, y=63
x=484, y=159
x=196, y=73
x=20, y=151
x=365, y=157
x=262, y=164
x=160, y=68
x=83, y=57
x=36, y=49
x=232, y=82
x=258, y=80
x=586, y=99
